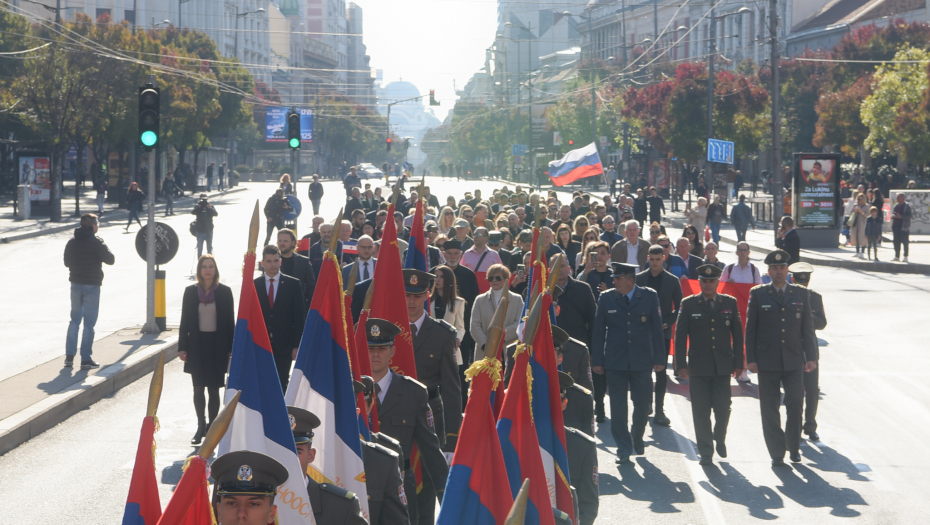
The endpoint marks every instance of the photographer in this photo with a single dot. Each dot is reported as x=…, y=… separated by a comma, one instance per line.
x=204, y=224
x=275, y=208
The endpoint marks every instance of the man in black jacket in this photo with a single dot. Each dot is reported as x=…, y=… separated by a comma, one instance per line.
x=275, y=208
x=294, y=264
x=789, y=240
x=84, y=257
x=204, y=211
x=315, y=192
x=284, y=310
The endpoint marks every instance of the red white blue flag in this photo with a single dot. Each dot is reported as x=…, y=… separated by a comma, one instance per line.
x=576, y=164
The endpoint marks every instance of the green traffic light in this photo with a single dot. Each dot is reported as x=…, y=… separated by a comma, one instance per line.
x=294, y=143
x=149, y=138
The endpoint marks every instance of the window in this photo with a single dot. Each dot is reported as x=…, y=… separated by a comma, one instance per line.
x=101, y=12
x=130, y=16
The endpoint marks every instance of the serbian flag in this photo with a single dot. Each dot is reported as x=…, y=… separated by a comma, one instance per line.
x=322, y=383
x=260, y=422
x=190, y=504
x=364, y=364
x=576, y=164
x=535, y=278
x=519, y=443
x=363, y=429
x=547, y=414
x=416, y=244
x=143, y=506
x=476, y=493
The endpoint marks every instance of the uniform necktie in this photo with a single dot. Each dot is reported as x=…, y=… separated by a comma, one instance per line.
x=413, y=329
x=626, y=300
x=271, y=293
x=781, y=295
x=365, y=274
x=711, y=303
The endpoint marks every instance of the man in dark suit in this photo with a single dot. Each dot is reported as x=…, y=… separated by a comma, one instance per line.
x=320, y=247
x=708, y=351
x=780, y=347
x=669, y=290
x=691, y=262
x=284, y=310
x=366, y=263
x=788, y=239
x=494, y=242
x=627, y=345
x=294, y=264
x=801, y=274
x=404, y=413
x=467, y=284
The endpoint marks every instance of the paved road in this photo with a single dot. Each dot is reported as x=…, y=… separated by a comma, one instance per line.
x=874, y=415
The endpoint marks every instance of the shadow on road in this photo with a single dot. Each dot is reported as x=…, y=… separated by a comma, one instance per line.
x=731, y=486
x=812, y=491
x=827, y=459
x=651, y=485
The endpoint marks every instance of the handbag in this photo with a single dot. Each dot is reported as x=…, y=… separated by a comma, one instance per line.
x=851, y=221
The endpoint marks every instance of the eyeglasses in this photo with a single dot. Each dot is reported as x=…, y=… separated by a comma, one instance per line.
x=469, y=217
x=742, y=250
x=655, y=231
x=495, y=278
x=582, y=224
x=448, y=213
x=665, y=245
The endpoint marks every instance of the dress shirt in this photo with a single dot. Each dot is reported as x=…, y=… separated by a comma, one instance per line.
x=632, y=252
x=748, y=274
x=385, y=383
x=471, y=257
x=277, y=280
x=419, y=322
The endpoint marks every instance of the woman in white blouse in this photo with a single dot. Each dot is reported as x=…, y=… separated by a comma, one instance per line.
x=698, y=216
x=445, y=304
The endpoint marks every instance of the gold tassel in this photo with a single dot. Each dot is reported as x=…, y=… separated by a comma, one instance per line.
x=529, y=387
x=490, y=366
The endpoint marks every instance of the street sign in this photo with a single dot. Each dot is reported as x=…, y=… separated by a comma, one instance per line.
x=166, y=243
x=720, y=151
x=556, y=138
x=518, y=159
x=519, y=150
x=603, y=141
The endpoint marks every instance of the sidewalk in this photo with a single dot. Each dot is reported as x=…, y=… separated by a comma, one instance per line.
x=13, y=229
x=42, y=397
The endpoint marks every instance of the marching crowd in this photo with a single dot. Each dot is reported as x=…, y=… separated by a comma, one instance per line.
x=618, y=308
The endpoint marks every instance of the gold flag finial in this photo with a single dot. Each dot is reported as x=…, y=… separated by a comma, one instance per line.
x=253, y=230
x=155, y=387
x=554, y=274
x=368, y=294
x=218, y=428
x=518, y=511
x=353, y=273
x=337, y=226
x=532, y=321
x=497, y=332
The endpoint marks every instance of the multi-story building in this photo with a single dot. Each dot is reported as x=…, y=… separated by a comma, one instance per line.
x=361, y=84
x=326, y=22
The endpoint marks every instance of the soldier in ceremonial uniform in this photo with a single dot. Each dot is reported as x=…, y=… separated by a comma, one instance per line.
x=582, y=461
x=245, y=486
x=801, y=275
x=404, y=413
x=627, y=345
x=332, y=505
x=780, y=347
x=708, y=351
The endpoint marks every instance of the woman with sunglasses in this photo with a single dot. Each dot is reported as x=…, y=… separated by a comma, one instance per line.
x=580, y=225
x=486, y=304
x=446, y=220
x=570, y=246
x=697, y=247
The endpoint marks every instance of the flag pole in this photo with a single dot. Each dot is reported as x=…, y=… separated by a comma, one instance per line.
x=554, y=274
x=218, y=427
x=496, y=332
x=155, y=388
x=518, y=511
x=253, y=231
x=368, y=295
x=532, y=321
x=353, y=273
x=337, y=225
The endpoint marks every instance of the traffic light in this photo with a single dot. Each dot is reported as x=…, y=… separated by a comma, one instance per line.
x=389, y=143
x=293, y=129
x=406, y=144
x=432, y=98
x=148, y=115
x=571, y=142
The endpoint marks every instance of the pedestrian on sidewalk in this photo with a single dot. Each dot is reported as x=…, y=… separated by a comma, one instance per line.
x=656, y=205
x=901, y=226
x=275, y=208
x=315, y=192
x=134, y=198
x=697, y=216
x=204, y=224
x=169, y=187
x=741, y=218
x=715, y=216
x=101, y=193
x=210, y=176
x=84, y=257
x=856, y=222
x=222, y=174
x=205, y=339
x=640, y=208
x=873, y=232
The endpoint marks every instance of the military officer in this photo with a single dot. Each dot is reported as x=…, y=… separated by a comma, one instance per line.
x=627, y=345
x=780, y=347
x=668, y=288
x=404, y=413
x=582, y=461
x=330, y=503
x=245, y=486
x=801, y=275
x=708, y=351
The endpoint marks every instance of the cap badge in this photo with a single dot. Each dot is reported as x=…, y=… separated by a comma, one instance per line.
x=707, y=271
x=413, y=280
x=375, y=331
x=245, y=473
x=777, y=256
x=293, y=421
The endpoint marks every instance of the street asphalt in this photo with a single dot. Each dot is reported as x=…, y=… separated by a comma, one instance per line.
x=870, y=467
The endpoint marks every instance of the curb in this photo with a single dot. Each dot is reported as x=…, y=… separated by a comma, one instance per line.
x=117, y=216
x=56, y=408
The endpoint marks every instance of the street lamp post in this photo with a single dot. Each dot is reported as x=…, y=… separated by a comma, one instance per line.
x=529, y=67
x=238, y=16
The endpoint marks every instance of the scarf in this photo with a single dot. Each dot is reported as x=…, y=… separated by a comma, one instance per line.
x=208, y=296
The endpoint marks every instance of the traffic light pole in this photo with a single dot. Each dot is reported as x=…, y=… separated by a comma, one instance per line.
x=151, y=326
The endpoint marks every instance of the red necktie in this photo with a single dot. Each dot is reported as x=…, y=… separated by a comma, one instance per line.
x=271, y=293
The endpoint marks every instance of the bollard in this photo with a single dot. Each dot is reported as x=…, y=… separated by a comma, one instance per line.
x=160, y=320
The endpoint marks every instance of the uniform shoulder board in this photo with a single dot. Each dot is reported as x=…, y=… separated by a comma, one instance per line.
x=380, y=448
x=577, y=342
x=584, y=390
x=446, y=325
x=412, y=380
x=725, y=296
x=387, y=439
x=757, y=287
x=579, y=435
x=338, y=491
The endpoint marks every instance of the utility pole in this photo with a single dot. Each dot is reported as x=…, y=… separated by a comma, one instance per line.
x=151, y=327
x=529, y=88
x=593, y=93
x=626, y=123
x=778, y=186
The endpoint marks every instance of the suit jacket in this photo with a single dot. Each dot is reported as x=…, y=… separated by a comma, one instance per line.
x=576, y=362
x=791, y=243
x=780, y=334
x=618, y=252
x=285, y=323
x=405, y=416
x=576, y=310
x=817, y=311
x=709, y=342
x=669, y=298
x=316, y=256
x=299, y=267
x=581, y=413
x=347, y=270
x=693, y=263
x=332, y=504
x=505, y=256
x=189, y=333
x=434, y=352
x=385, y=485
x=582, y=466
x=628, y=337
x=483, y=312
x=358, y=298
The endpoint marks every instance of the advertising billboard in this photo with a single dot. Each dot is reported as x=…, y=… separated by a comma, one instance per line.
x=35, y=172
x=816, y=190
x=276, y=124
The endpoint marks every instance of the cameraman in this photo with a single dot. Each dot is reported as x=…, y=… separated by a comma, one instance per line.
x=275, y=208
x=205, y=213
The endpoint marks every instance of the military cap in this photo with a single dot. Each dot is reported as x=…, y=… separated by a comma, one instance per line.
x=709, y=272
x=621, y=269
x=247, y=473
x=417, y=281
x=358, y=387
x=801, y=267
x=565, y=381
x=777, y=258
x=461, y=223
x=495, y=238
x=302, y=424
x=559, y=337
x=380, y=332
x=452, y=244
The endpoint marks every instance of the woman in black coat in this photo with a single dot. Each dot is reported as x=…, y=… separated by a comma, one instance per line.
x=208, y=323
x=640, y=208
x=134, y=199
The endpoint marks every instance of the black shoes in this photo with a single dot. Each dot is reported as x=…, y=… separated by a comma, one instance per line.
x=660, y=419
x=639, y=449
x=69, y=361
x=795, y=457
x=705, y=461
x=201, y=431
x=600, y=419
x=623, y=460
x=813, y=436
x=778, y=462
x=722, y=450
x=89, y=364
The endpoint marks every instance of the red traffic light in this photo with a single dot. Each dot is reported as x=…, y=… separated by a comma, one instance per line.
x=389, y=140
x=571, y=142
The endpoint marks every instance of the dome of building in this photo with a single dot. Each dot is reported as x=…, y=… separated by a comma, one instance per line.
x=400, y=90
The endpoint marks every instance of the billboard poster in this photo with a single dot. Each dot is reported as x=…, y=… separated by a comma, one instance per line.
x=658, y=173
x=276, y=124
x=816, y=184
x=35, y=172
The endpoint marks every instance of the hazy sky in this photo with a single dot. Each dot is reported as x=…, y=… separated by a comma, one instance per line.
x=429, y=42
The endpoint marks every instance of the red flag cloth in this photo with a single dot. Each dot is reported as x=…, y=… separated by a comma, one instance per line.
x=483, y=284
x=354, y=363
x=740, y=291
x=361, y=345
x=190, y=504
x=143, y=506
